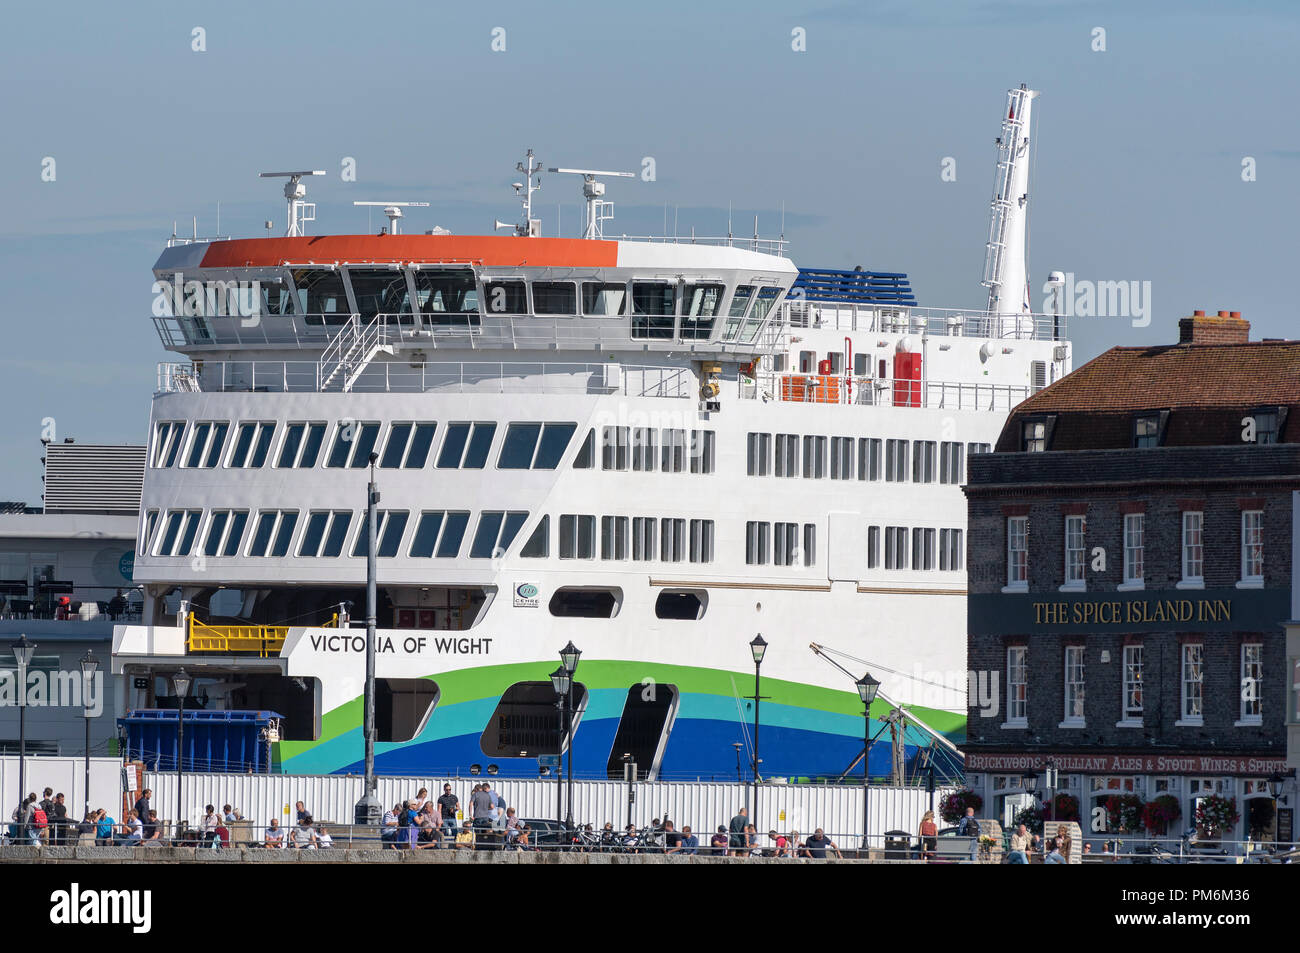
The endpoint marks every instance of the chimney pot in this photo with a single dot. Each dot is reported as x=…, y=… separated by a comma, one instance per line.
x=1223, y=314
x=1198, y=314
x=1235, y=314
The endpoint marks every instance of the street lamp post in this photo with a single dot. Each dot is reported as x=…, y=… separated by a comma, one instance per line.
x=367, y=811
x=181, y=682
x=89, y=664
x=569, y=656
x=1050, y=779
x=23, y=650
x=757, y=648
x=868, y=688
x=560, y=682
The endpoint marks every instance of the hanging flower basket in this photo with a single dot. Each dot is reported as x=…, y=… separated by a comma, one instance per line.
x=1159, y=814
x=1216, y=816
x=953, y=807
x=1065, y=807
x=1124, y=812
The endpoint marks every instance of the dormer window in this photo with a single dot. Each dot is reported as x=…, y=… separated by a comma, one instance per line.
x=1266, y=426
x=1033, y=436
x=1146, y=430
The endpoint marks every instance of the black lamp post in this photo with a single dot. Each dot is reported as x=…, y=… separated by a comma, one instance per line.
x=868, y=688
x=23, y=650
x=560, y=682
x=1049, y=779
x=181, y=682
x=89, y=664
x=367, y=812
x=569, y=656
x=757, y=648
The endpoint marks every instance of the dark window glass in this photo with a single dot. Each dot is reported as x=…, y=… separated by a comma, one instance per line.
x=555, y=440
x=555, y=297
x=700, y=305
x=289, y=449
x=426, y=534
x=264, y=434
x=320, y=292
x=243, y=440
x=518, y=446
x=453, y=446
x=282, y=537
x=338, y=533
x=311, y=448
x=585, y=458
x=218, y=525
x=513, y=523
x=505, y=297
x=379, y=292
x=418, y=454
x=237, y=523
x=485, y=540
x=448, y=292
x=313, y=534
x=652, y=310
x=391, y=537
x=480, y=442
x=262, y=535
x=200, y=440
x=218, y=443
x=602, y=298
x=170, y=529
x=395, y=449
x=452, y=535
x=539, y=544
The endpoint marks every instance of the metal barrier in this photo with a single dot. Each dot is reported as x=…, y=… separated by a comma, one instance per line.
x=263, y=640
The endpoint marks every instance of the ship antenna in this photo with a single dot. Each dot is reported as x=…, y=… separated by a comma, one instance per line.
x=394, y=212
x=598, y=210
x=529, y=226
x=299, y=212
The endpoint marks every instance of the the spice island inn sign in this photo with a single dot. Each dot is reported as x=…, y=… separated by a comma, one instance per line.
x=1141, y=763
x=1176, y=610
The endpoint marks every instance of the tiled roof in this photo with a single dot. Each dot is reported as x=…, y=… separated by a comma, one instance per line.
x=1171, y=376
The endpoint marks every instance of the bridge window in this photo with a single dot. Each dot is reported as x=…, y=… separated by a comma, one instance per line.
x=653, y=310
x=467, y=446
x=555, y=297
x=206, y=444
x=700, y=306
x=379, y=291
x=439, y=532
x=408, y=446
x=643, y=729
x=178, y=532
x=740, y=300
x=574, y=603
x=601, y=299
x=353, y=443
x=275, y=297
x=392, y=525
x=167, y=442
x=496, y=531
x=526, y=722
x=403, y=707
x=767, y=299
x=448, y=297
x=505, y=297
x=252, y=444
x=302, y=443
x=320, y=292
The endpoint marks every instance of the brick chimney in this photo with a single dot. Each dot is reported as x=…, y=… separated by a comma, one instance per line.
x=1228, y=327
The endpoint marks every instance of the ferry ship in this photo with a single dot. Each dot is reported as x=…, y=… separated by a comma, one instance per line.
x=655, y=449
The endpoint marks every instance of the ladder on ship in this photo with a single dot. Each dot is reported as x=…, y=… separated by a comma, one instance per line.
x=1010, y=153
x=350, y=352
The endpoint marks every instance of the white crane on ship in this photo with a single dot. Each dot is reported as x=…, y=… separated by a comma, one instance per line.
x=1005, y=268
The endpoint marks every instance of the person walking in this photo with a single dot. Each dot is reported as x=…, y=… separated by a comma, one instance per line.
x=737, y=830
x=970, y=827
x=927, y=835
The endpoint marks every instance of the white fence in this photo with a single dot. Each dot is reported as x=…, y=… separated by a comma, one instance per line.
x=703, y=805
x=66, y=775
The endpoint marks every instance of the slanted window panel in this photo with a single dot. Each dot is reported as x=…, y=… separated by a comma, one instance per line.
x=313, y=534
x=674, y=455
x=216, y=529
x=700, y=306
x=395, y=448
x=453, y=533
x=392, y=526
x=767, y=298
x=603, y=299
x=704, y=451
x=379, y=291
x=613, y=537
x=645, y=723
x=439, y=532
x=449, y=296
x=539, y=544
x=485, y=539
x=555, y=297
x=868, y=458
x=198, y=442
x=171, y=526
x=518, y=447
x=417, y=451
x=426, y=534
x=577, y=536
x=653, y=308
x=353, y=443
x=466, y=445
x=740, y=300
x=235, y=535
x=701, y=541
x=284, y=534
x=293, y=434
x=262, y=533
x=645, y=537
x=166, y=438
x=550, y=449
x=505, y=297
x=215, y=445
x=758, y=448
x=614, y=448
x=586, y=456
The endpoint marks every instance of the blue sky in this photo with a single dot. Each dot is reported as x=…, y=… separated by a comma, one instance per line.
x=1137, y=175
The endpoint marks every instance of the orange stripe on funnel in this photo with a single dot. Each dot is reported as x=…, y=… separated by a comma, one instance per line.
x=493, y=251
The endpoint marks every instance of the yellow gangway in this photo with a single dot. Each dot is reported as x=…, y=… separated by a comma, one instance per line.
x=264, y=640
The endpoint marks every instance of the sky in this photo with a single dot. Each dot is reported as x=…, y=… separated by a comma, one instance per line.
x=1165, y=150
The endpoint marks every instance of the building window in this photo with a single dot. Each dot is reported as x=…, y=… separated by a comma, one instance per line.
x=1252, y=546
x=1193, y=547
x=1074, y=551
x=1252, y=677
x=1033, y=436
x=868, y=458
x=974, y=448
x=1018, y=551
x=1193, y=683
x=1266, y=426
x=1074, y=686
x=950, y=550
x=1133, y=683
x=895, y=547
x=466, y=445
x=758, y=450
x=1017, y=685
x=814, y=457
x=440, y=533
x=873, y=547
x=896, y=461
x=1134, y=526
x=645, y=538
x=704, y=451
x=787, y=455
x=674, y=455
x=950, y=462
x=841, y=458
x=645, y=447
x=672, y=540
x=1146, y=430
x=923, y=454
x=353, y=443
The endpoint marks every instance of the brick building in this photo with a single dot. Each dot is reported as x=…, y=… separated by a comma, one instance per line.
x=1131, y=547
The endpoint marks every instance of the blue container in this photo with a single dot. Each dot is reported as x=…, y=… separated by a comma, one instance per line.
x=225, y=742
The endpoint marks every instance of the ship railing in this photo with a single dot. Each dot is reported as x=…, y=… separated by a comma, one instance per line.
x=478, y=377
x=881, y=392
x=765, y=246
x=264, y=641
x=876, y=318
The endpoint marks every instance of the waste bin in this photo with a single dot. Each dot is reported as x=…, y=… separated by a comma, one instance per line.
x=898, y=845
